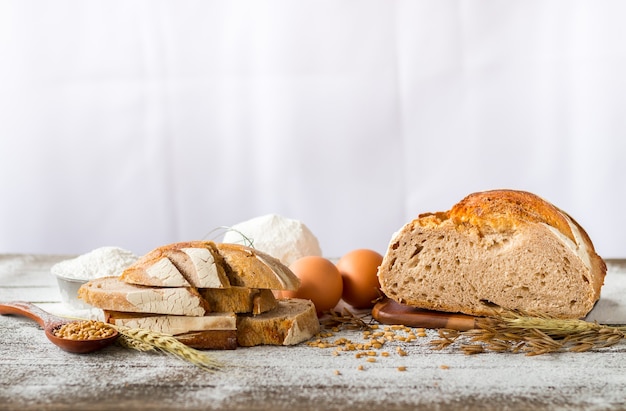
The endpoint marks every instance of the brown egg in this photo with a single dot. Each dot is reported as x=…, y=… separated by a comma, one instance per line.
x=320, y=282
x=359, y=271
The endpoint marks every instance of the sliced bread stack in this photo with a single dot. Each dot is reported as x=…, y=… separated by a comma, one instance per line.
x=208, y=295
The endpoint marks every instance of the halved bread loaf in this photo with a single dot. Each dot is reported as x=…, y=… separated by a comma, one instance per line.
x=502, y=248
x=172, y=324
x=291, y=322
x=110, y=293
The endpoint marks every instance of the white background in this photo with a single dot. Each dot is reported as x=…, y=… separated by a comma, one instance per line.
x=140, y=123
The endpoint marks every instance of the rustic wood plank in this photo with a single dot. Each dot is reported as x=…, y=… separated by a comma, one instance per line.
x=42, y=294
x=19, y=270
x=35, y=375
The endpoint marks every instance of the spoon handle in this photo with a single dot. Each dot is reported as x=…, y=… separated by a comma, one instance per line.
x=29, y=310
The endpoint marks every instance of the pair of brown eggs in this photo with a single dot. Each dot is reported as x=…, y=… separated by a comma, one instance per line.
x=353, y=278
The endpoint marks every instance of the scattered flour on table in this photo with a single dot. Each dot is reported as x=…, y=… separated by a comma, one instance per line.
x=283, y=238
x=101, y=262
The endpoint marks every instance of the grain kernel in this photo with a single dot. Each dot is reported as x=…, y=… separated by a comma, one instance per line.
x=402, y=368
x=84, y=330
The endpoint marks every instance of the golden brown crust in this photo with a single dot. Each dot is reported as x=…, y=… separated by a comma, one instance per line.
x=503, y=210
x=247, y=267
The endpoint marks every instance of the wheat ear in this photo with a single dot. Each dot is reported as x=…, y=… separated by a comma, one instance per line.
x=147, y=340
x=534, y=334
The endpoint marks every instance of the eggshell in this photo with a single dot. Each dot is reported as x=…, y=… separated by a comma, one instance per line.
x=359, y=272
x=320, y=282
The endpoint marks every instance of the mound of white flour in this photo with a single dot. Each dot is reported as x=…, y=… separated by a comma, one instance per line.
x=280, y=237
x=101, y=262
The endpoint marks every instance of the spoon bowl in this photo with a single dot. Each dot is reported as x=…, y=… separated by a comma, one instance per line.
x=50, y=323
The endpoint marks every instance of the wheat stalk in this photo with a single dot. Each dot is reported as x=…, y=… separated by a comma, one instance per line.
x=346, y=319
x=513, y=331
x=217, y=232
x=147, y=340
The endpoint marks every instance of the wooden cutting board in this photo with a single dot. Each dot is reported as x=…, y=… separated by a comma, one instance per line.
x=390, y=312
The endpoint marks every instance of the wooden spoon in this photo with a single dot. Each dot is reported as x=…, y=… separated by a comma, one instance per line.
x=50, y=322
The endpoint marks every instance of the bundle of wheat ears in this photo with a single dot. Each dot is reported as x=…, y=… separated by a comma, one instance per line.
x=146, y=340
x=512, y=331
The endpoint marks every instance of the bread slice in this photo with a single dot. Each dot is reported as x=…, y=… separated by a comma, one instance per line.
x=173, y=324
x=291, y=322
x=247, y=267
x=154, y=269
x=185, y=264
x=110, y=293
x=239, y=299
x=501, y=248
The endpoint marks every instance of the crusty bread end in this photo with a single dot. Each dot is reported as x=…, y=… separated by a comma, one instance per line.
x=291, y=322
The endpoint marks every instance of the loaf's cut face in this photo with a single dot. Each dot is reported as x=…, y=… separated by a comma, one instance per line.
x=495, y=249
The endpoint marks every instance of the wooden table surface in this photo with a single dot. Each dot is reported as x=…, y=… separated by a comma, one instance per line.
x=36, y=375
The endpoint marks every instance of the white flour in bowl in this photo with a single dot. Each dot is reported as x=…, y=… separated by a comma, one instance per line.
x=101, y=262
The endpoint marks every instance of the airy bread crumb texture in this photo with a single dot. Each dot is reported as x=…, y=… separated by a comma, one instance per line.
x=465, y=263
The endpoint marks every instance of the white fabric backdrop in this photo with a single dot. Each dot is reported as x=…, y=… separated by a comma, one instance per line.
x=139, y=123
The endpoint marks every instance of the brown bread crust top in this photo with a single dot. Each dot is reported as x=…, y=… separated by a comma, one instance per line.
x=503, y=210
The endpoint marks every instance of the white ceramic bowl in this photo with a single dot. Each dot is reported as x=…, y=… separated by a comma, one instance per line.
x=68, y=287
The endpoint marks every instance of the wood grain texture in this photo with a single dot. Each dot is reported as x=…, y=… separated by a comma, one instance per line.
x=35, y=375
